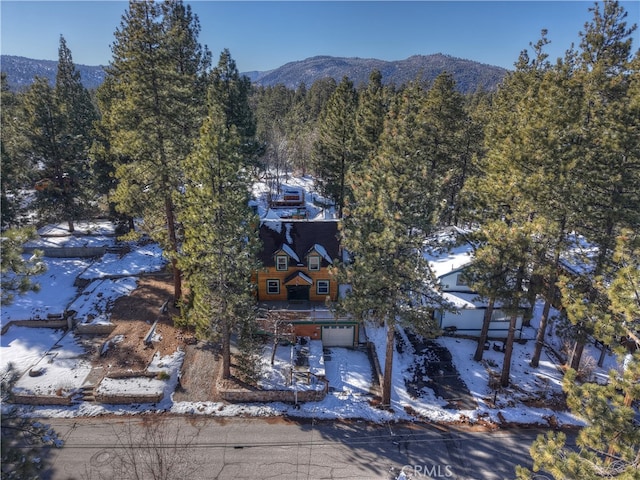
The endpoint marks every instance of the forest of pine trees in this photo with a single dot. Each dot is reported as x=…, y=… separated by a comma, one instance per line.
x=174, y=141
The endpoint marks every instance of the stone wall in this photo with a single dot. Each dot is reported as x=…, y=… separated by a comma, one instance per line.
x=42, y=399
x=286, y=396
x=126, y=399
x=37, y=323
x=69, y=252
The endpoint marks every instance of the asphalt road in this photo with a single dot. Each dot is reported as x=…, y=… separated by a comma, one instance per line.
x=196, y=448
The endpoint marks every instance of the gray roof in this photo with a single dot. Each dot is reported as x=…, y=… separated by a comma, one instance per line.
x=299, y=236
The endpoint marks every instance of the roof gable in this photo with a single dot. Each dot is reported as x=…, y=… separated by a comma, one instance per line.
x=297, y=239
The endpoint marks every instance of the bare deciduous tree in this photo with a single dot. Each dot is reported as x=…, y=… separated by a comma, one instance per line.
x=146, y=449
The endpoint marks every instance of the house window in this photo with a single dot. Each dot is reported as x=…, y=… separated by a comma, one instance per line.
x=282, y=262
x=499, y=316
x=273, y=287
x=314, y=262
x=459, y=280
x=322, y=287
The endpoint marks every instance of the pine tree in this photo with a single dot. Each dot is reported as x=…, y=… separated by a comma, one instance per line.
x=231, y=91
x=156, y=85
x=58, y=125
x=444, y=117
x=220, y=238
x=318, y=95
x=103, y=159
x=609, y=144
x=609, y=446
x=336, y=149
x=17, y=272
x=24, y=440
x=370, y=115
x=17, y=167
x=502, y=201
x=492, y=274
x=551, y=178
x=385, y=229
x=472, y=150
x=301, y=132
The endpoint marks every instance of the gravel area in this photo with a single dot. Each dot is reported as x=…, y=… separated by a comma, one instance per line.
x=199, y=373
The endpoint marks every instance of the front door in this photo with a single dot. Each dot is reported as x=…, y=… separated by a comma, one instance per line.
x=298, y=293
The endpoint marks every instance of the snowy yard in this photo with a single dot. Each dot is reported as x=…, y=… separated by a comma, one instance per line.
x=58, y=359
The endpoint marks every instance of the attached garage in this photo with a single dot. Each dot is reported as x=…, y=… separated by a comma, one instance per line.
x=338, y=335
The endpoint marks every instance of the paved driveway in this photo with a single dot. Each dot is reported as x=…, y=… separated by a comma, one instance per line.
x=434, y=369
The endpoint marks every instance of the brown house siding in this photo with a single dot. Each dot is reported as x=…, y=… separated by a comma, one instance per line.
x=270, y=273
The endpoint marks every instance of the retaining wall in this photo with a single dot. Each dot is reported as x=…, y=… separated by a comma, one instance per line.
x=42, y=399
x=287, y=396
x=124, y=399
x=69, y=252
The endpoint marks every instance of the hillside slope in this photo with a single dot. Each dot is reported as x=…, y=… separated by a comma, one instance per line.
x=469, y=75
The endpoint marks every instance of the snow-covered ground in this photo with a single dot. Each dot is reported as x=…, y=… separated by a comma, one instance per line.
x=349, y=372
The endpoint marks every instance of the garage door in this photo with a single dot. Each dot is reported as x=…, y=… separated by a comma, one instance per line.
x=337, y=336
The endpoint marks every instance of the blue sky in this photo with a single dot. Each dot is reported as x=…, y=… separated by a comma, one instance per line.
x=264, y=35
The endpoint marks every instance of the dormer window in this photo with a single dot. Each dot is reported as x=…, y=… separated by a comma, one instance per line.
x=314, y=262
x=282, y=262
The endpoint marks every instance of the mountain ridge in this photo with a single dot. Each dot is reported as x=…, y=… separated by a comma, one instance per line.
x=468, y=74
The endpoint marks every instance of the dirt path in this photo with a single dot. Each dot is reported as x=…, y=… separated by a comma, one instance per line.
x=199, y=373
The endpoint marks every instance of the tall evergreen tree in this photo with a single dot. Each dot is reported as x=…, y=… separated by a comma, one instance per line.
x=393, y=212
x=370, y=114
x=549, y=178
x=318, y=95
x=156, y=87
x=58, y=124
x=220, y=239
x=609, y=144
x=17, y=165
x=444, y=117
x=336, y=149
x=231, y=91
x=500, y=196
x=609, y=446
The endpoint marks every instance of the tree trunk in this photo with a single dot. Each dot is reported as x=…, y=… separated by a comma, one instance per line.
x=551, y=293
x=508, y=351
x=537, y=351
x=508, y=347
x=173, y=241
x=388, y=365
x=226, y=350
x=484, y=332
x=72, y=228
x=273, y=350
x=577, y=354
x=603, y=354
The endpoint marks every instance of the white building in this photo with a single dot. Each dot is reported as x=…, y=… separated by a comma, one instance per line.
x=447, y=264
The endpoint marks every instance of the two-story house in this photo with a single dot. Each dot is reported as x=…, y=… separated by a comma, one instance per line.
x=295, y=278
